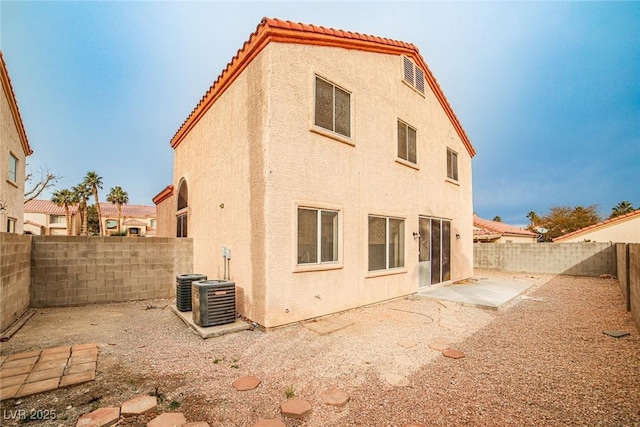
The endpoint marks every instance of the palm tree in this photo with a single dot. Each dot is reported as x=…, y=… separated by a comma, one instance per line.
x=118, y=197
x=94, y=181
x=65, y=198
x=82, y=191
x=622, y=208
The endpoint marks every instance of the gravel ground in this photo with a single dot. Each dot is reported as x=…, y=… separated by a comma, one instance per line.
x=542, y=359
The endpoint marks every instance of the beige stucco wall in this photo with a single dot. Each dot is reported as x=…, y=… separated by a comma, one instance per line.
x=256, y=156
x=11, y=193
x=623, y=231
x=166, y=217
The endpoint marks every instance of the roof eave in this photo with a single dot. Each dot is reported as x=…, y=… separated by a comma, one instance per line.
x=13, y=106
x=270, y=30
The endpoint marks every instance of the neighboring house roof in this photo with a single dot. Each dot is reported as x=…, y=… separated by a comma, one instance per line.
x=495, y=229
x=13, y=106
x=278, y=31
x=127, y=210
x=603, y=224
x=163, y=195
x=135, y=222
x=46, y=207
x=29, y=222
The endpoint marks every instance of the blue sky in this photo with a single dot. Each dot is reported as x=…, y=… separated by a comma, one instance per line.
x=549, y=93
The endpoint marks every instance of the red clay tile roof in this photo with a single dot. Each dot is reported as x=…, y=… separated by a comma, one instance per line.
x=127, y=211
x=46, y=207
x=164, y=194
x=33, y=223
x=605, y=223
x=13, y=105
x=279, y=31
x=492, y=227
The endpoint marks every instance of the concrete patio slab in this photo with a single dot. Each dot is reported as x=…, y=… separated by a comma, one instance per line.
x=210, y=331
x=487, y=293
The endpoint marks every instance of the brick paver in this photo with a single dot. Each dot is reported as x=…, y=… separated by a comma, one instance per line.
x=295, y=408
x=168, y=419
x=37, y=371
x=102, y=417
x=139, y=405
x=38, y=387
x=269, y=423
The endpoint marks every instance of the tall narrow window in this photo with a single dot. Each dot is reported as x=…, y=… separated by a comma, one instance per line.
x=452, y=164
x=407, y=142
x=317, y=236
x=181, y=215
x=11, y=225
x=13, y=168
x=332, y=108
x=386, y=243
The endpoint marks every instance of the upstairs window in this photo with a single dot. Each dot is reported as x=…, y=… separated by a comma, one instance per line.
x=332, y=108
x=181, y=214
x=57, y=219
x=452, y=164
x=413, y=74
x=13, y=168
x=407, y=136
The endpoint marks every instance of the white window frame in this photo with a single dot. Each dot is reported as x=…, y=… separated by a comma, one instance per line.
x=12, y=175
x=59, y=219
x=387, y=269
x=331, y=133
x=452, y=165
x=11, y=225
x=406, y=142
x=317, y=266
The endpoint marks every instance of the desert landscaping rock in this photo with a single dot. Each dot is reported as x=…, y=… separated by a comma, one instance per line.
x=168, y=419
x=530, y=363
x=438, y=346
x=295, y=408
x=196, y=424
x=246, y=383
x=453, y=353
x=397, y=380
x=407, y=344
x=269, y=423
x=102, y=417
x=335, y=397
x=138, y=405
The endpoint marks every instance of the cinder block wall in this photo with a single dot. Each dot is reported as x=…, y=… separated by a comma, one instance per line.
x=69, y=270
x=578, y=259
x=15, y=266
x=634, y=282
x=622, y=270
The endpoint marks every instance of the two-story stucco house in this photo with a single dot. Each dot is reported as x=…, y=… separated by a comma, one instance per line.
x=14, y=149
x=332, y=167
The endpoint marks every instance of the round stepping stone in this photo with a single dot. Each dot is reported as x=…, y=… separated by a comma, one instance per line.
x=407, y=344
x=439, y=346
x=453, y=353
x=246, y=383
x=168, y=419
x=397, y=380
x=99, y=417
x=295, y=408
x=269, y=423
x=335, y=397
x=138, y=405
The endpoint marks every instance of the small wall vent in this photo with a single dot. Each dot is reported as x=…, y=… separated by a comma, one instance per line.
x=213, y=302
